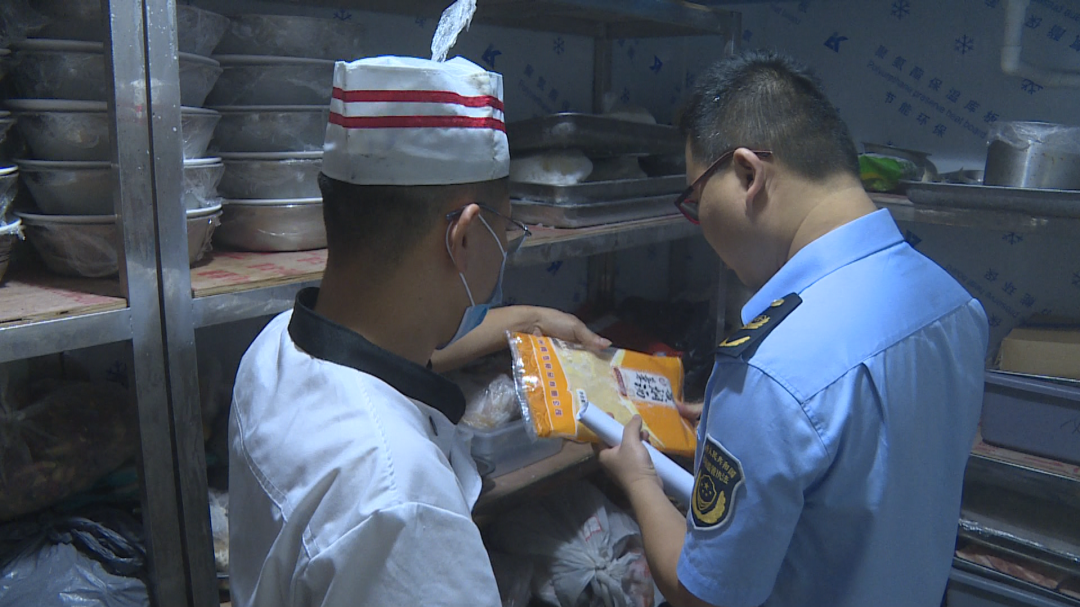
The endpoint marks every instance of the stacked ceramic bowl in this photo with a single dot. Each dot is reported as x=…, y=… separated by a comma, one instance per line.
x=10, y=226
x=274, y=99
x=62, y=114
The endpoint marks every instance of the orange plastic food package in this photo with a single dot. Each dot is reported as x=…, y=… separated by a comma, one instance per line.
x=554, y=377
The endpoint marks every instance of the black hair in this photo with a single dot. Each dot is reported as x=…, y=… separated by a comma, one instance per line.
x=767, y=101
x=382, y=223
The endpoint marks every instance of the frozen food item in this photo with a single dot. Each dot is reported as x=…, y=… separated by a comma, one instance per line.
x=561, y=168
x=554, y=378
x=491, y=403
x=616, y=168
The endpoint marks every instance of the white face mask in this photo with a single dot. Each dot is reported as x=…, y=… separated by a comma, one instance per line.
x=475, y=313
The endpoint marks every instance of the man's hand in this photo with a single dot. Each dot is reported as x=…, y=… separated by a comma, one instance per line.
x=690, y=411
x=629, y=464
x=567, y=327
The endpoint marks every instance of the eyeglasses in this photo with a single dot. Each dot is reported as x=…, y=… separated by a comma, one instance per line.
x=687, y=204
x=516, y=232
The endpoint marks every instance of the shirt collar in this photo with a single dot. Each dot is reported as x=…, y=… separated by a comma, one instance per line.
x=842, y=246
x=325, y=339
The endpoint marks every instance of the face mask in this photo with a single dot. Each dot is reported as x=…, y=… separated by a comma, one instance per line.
x=475, y=313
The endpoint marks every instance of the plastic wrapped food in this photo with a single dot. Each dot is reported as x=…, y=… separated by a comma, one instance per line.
x=559, y=168
x=219, y=526
x=554, y=377
x=57, y=439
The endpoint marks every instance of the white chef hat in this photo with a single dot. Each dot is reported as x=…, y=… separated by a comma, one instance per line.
x=410, y=121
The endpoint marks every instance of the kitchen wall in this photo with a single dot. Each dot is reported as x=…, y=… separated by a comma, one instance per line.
x=918, y=74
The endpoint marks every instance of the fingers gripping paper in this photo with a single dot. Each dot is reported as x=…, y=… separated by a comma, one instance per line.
x=454, y=19
x=554, y=378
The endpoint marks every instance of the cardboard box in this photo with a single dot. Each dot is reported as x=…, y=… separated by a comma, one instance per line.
x=1042, y=351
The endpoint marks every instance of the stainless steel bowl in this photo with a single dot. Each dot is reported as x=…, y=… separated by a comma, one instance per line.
x=87, y=245
x=265, y=128
x=271, y=175
x=198, y=31
x=69, y=187
x=9, y=178
x=272, y=225
x=254, y=80
x=1039, y=155
x=9, y=233
x=69, y=69
x=60, y=129
x=86, y=188
x=201, y=177
x=292, y=36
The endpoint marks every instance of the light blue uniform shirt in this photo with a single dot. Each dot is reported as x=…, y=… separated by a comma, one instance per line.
x=852, y=422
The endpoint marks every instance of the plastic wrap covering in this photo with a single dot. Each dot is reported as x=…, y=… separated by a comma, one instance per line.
x=564, y=167
x=292, y=36
x=272, y=81
x=219, y=526
x=74, y=249
x=73, y=70
x=69, y=130
x=198, y=31
x=490, y=396
x=92, y=561
x=553, y=379
x=9, y=233
x=272, y=225
x=201, y=178
x=9, y=178
x=197, y=128
x=17, y=19
x=299, y=128
x=59, y=438
x=1023, y=135
x=197, y=77
x=586, y=552
x=69, y=188
x=200, y=231
x=271, y=176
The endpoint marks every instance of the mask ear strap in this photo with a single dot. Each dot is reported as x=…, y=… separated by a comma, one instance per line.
x=493, y=235
x=468, y=291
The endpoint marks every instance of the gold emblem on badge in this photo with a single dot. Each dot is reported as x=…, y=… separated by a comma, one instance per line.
x=709, y=502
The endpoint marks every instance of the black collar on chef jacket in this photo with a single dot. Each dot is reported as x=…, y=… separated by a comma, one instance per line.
x=323, y=338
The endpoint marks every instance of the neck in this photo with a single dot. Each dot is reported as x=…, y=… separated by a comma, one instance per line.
x=829, y=205
x=393, y=313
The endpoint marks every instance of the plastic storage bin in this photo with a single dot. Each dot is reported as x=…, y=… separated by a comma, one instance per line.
x=1031, y=415
x=509, y=447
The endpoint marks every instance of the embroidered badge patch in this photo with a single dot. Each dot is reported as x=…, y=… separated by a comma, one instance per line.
x=718, y=477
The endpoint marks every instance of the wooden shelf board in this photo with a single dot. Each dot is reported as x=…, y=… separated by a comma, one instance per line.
x=231, y=272
x=33, y=295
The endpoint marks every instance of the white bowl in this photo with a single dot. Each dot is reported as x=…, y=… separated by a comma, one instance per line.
x=70, y=69
x=263, y=80
x=271, y=128
x=293, y=36
x=271, y=175
x=61, y=129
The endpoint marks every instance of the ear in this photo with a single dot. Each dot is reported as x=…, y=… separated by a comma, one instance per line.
x=457, y=239
x=751, y=172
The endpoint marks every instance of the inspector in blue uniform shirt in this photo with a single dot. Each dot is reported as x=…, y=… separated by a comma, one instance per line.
x=836, y=430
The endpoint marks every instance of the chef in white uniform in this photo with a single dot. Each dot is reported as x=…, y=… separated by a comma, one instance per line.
x=350, y=483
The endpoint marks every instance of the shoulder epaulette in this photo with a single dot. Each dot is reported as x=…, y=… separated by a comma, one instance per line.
x=743, y=343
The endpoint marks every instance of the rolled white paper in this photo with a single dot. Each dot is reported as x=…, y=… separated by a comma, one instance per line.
x=678, y=483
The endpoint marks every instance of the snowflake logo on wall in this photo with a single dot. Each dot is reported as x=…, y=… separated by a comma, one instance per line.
x=1076, y=279
x=901, y=9
x=1030, y=86
x=964, y=44
x=559, y=45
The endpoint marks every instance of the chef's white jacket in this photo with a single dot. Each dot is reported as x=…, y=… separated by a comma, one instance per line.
x=349, y=482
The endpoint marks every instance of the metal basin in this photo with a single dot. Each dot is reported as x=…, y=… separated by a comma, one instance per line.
x=9, y=233
x=272, y=225
x=292, y=36
x=86, y=188
x=68, y=69
x=271, y=175
x=198, y=31
x=282, y=128
x=1039, y=155
x=255, y=80
x=87, y=245
x=60, y=129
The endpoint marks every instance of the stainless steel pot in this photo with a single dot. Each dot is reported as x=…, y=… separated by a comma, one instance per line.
x=1034, y=155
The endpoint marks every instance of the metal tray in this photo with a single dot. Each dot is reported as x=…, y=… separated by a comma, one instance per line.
x=593, y=214
x=599, y=191
x=596, y=136
x=1060, y=203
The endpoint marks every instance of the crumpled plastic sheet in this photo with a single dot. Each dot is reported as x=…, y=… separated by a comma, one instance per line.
x=277, y=179
x=197, y=129
x=198, y=31
x=273, y=84
x=1023, y=134
x=288, y=36
x=455, y=19
x=271, y=131
x=8, y=190
x=60, y=75
x=200, y=186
